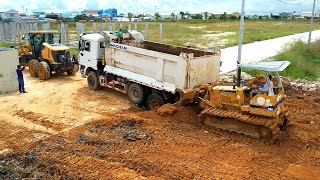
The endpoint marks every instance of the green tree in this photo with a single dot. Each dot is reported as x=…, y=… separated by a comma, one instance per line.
x=187, y=15
x=223, y=16
x=196, y=16
x=173, y=16
x=157, y=16
x=206, y=15
x=130, y=15
x=182, y=15
x=80, y=17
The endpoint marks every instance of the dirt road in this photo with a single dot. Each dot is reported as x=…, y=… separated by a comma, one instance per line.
x=112, y=139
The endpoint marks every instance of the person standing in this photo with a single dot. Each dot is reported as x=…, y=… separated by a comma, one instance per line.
x=20, y=78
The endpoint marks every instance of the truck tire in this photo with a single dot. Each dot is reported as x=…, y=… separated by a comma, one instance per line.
x=93, y=81
x=155, y=101
x=137, y=94
x=33, y=68
x=73, y=70
x=43, y=70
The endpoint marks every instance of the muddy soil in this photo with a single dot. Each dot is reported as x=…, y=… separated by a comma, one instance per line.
x=126, y=143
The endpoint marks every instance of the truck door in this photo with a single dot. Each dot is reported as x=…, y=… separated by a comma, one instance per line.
x=87, y=54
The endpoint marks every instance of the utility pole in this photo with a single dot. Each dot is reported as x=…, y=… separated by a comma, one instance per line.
x=240, y=44
x=311, y=23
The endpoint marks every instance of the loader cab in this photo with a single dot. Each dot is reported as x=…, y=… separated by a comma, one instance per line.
x=91, y=48
x=36, y=40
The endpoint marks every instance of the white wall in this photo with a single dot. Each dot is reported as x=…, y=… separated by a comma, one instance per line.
x=8, y=65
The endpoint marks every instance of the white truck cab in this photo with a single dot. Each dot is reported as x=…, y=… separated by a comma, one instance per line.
x=91, y=47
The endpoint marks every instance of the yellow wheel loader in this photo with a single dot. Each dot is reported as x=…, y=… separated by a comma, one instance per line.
x=245, y=110
x=48, y=56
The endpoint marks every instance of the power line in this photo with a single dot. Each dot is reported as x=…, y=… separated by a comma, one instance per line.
x=292, y=3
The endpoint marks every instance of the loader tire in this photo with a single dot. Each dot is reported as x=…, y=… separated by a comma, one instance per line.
x=137, y=94
x=33, y=68
x=73, y=70
x=155, y=101
x=93, y=81
x=43, y=70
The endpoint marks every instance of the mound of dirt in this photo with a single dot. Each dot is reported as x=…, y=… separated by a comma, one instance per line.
x=259, y=81
x=167, y=109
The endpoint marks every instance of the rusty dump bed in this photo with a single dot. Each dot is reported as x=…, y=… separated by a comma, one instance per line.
x=174, y=50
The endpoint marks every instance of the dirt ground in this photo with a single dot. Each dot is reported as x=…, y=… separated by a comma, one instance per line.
x=62, y=130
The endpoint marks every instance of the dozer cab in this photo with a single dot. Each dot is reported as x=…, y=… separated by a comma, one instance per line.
x=245, y=110
x=48, y=56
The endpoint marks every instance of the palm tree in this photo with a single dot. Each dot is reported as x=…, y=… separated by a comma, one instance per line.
x=206, y=15
x=130, y=15
x=157, y=16
x=173, y=16
x=182, y=15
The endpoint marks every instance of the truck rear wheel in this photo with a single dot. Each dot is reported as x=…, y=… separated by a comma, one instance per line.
x=155, y=101
x=33, y=68
x=73, y=70
x=43, y=70
x=136, y=93
x=93, y=81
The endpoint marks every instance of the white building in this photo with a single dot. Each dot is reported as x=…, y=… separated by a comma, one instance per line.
x=11, y=15
x=308, y=14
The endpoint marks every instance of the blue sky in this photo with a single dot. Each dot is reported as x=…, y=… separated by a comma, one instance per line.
x=162, y=6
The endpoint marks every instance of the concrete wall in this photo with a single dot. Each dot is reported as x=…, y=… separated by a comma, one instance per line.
x=8, y=65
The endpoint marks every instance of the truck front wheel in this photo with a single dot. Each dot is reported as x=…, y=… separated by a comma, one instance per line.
x=93, y=81
x=136, y=93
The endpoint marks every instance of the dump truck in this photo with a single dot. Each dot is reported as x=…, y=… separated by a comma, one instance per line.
x=149, y=73
x=153, y=74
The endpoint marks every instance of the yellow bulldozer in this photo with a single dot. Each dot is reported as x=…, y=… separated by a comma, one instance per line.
x=242, y=109
x=44, y=56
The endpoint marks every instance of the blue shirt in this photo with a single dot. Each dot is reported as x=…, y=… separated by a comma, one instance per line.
x=19, y=73
x=266, y=87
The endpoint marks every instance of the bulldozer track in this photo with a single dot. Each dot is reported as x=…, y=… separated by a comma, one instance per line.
x=268, y=123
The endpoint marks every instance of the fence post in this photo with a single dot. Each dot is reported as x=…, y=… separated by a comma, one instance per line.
x=109, y=27
x=1, y=33
x=7, y=32
x=67, y=34
x=147, y=31
x=121, y=26
x=94, y=27
x=113, y=26
x=14, y=32
x=161, y=35
x=63, y=39
x=136, y=26
x=59, y=32
x=129, y=27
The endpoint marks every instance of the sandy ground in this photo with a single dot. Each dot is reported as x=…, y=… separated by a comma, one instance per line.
x=62, y=130
x=52, y=106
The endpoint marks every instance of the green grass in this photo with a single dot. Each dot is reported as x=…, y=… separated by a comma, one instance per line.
x=305, y=61
x=192, y=33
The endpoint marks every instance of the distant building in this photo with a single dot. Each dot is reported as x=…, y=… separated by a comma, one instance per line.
x=11, y=15
x=70, y=14
x=109, y=13
x=308, y=14
x=91, y=13
x=39, y=13
x=286, y=15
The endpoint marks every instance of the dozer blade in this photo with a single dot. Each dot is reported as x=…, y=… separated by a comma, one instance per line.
x=249, y=125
